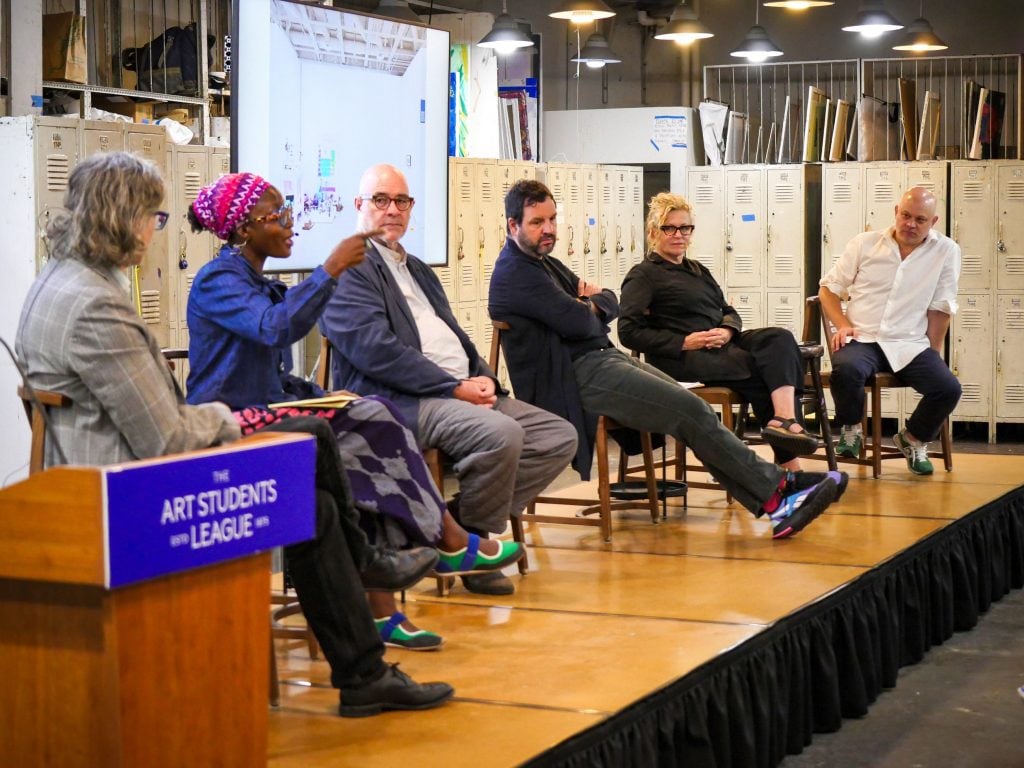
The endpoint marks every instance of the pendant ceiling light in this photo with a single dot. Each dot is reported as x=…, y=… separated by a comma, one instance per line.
x=582, y=11
x=919, y=37
x=596, y=52
x=397, y=9
x=684, y=27
x=757, y=47
x=873, y=20
x=797, y=5
x=506, y=35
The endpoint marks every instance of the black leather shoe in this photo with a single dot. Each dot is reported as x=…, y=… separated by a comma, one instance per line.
x=492, y=583
x=391, y=570
x=392, y=690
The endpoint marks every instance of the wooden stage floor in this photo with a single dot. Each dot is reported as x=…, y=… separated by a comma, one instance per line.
x=594, y=627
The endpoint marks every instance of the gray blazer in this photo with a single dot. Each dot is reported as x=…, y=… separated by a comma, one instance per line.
x=80, y=336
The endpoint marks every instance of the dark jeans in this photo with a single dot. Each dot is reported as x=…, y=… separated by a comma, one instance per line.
x=927, y=373
x=325, y=569
x=638, y=395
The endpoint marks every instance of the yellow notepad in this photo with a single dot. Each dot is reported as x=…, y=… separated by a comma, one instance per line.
x=333, y=400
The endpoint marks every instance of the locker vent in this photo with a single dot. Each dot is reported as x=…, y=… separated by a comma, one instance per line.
x=972, y=264
x=288, y=278
x=151, y=307
x=971, y=393
x=1013, y=319
x=1014, y=265
x=1015, y=190
x=465, y=190
x=623, y=195
x=784, y=263
x=784, y=316
x=971, y=319
x=785, y=193
x=574, y=193
x=487, y=189
x=883, y=193
x=744, y=194
x=706, y=259
x=704, y=195
x=57, y=169
x=1014, y=394
x=842, y=193
x=188, y=284
x=193, y=183
x=973, y=191
x=743, y=263
x=638, y=197
x=606, y=194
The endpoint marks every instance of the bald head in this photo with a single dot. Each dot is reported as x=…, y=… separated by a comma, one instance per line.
x=915, y=216
x=384, y=185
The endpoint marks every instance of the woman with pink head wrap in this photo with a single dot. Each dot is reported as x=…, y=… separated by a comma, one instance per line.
x=241, y=328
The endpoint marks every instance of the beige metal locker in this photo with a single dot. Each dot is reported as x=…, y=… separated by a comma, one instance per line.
x=590, y=218
x=155, y=274
x=100, y=136
x=607, y=271
x=1009, y=361
x=56, y=153
x=463, y=239
x=633, y=236
x=784, y=233
x=189, y=250
x=749, y=305
x=933, y=176
x=973, y=222
x=785, y=309
x=971, y=348
x=883, y=186
x=556, y=177
x=490, y=223
x=745, y=228
x=1010, y=226
x=706, y=191
x=842, y=210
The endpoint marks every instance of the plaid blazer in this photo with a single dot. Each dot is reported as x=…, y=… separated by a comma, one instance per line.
x=79, y=335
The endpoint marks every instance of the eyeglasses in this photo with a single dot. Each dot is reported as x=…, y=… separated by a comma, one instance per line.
x=668, y=229
x=382, y=201
x=283, y=216
x=161, y=219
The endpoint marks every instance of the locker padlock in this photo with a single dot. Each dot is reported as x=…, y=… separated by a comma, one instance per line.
x=182, y=253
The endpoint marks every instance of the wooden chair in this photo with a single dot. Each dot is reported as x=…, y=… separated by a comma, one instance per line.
x=873, y=387
x=604, y=506
x=434, y=458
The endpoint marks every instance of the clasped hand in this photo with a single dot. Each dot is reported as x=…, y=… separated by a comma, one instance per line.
x=478, y=390
x=714, y=338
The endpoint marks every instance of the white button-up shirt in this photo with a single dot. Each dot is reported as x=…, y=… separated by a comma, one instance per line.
x=888, y=298
x=438, y=342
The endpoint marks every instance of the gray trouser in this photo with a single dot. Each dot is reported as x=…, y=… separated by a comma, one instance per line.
x=640, y=396
x=504, y=456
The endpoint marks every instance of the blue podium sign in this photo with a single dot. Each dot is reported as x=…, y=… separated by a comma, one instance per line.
x=177, y=513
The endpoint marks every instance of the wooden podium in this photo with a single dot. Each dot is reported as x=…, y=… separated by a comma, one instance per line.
x=169, y=671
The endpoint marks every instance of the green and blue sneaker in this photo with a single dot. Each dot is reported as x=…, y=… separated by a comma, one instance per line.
x=916, y=453
x=850, y=443
x=394, y=634
x=470, y=559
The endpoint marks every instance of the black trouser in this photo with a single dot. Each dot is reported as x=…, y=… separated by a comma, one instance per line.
x=325, y=569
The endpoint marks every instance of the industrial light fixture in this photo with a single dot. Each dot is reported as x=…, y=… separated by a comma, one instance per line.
x=873, y=20
x=920, y=37
x=684, y=27
x=506, y=35
x=596, y=52
x=582, y=11
x=797, y=5
x=757, y=47
x=397, y=9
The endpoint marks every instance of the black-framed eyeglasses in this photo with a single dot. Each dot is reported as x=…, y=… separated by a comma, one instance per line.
x=382, y=201
x=283, y=216
x=668, y=229
x=161, y=219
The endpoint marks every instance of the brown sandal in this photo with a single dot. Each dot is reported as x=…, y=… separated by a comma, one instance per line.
x=780, y=437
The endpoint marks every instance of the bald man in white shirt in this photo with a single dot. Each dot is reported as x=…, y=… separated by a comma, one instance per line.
x=900, y=291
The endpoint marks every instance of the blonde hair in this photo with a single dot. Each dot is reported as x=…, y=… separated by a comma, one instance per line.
x=108, y=195
x=659, y=208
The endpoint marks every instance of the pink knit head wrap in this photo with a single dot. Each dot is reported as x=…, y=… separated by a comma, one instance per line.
x=226, y=203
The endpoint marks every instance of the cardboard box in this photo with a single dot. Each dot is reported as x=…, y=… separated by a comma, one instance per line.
x=137, y=111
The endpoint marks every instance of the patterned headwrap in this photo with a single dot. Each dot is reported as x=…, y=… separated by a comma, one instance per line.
x=224, y=205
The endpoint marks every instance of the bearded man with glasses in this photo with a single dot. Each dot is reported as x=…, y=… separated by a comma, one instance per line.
x=674, y=312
